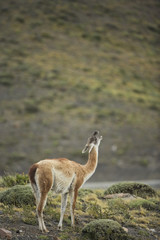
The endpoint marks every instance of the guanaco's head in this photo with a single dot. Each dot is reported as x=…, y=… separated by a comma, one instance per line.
x=92, y=141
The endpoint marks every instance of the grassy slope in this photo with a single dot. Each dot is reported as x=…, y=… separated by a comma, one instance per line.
x=68, y=68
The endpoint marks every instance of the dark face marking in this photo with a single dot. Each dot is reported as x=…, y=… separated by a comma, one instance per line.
x=94, y=138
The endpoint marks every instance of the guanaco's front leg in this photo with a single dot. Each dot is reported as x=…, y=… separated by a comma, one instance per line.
x=73, y=197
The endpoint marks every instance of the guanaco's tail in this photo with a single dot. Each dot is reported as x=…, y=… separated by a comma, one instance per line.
x=32, y=172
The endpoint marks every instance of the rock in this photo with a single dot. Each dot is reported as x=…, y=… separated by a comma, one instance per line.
x=19, y=231
x=5, y=234
x=56, y=238
x=120, y=195
x=152, y=230
x=1, y=212
x=125, y=229
x=53, y=237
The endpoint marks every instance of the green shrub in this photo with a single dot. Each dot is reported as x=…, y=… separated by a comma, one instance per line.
x=103, y=229
x=6, y=79
x=29, y=216
x=147, y=204
x=18, y=179
x=118, y=206
x=18, y=195
x=95, y=210
x=84, y=192
x=16, y=156
x=138, y=189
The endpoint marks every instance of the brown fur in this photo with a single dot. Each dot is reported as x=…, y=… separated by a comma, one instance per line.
x=45, y=179
x=32, y=172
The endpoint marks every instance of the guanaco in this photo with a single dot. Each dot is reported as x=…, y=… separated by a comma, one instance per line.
x=62, y=176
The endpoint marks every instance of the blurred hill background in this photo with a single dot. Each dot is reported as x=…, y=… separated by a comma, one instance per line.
x=68, y=68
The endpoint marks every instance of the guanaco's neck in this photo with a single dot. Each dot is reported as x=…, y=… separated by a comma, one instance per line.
x=91, y=165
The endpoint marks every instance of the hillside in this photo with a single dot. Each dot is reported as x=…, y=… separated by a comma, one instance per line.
x=70, y=67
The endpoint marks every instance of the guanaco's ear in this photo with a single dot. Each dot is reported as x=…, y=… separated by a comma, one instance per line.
x=85, y=149
x=100, y=138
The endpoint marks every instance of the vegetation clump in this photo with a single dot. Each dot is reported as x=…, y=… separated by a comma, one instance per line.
x=18, y=196
x=18, y=179
x=146, y=204
x=84, y=192
x=138, y=189
x=105, y=229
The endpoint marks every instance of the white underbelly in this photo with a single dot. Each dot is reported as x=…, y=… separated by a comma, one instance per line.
x=61, y=183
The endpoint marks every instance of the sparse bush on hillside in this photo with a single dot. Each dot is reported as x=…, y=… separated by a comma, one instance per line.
x=138, y=189
x=6, y=79
x=16, y=156
x=30, y=106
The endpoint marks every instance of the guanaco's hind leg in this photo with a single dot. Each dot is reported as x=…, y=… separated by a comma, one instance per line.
x=40, y=206
x=44, y=183
x=35, y=192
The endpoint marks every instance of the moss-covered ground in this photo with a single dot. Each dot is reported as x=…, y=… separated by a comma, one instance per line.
x=140, y=215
